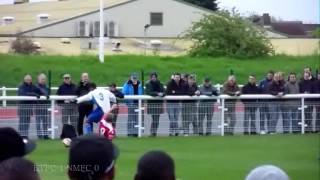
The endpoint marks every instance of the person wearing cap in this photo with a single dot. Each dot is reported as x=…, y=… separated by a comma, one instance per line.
x=132, y=87
x=104, y=102
x=250, y=106
x=155, y=107
x=41, y=109
x=175, y=87
x=13, y=145
x=267, y=172
x=84, y=108
x=69, y=112
x=119, y=95
x=17, y=168
x=205, y=108
x=25, y=108
x=189, y=107
x=92, y=157
x=231, y=88
x=155, y=165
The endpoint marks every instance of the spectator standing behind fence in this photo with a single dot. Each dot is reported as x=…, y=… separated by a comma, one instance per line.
x=155, y=107
x=250, y=106
x=68, y=108
x=189, y=107
x=84, y=108
x=119, y=95
x=316, y=89
x=264, y=105
x=206, y=107
x=306, y=87
x=25, y=108
x=41, y=110
x=276, y=106
x=292, y=105
x=132, y=87
x=230, y=88
x=174, y=88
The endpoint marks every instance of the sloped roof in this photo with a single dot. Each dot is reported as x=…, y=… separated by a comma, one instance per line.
x=26, y=14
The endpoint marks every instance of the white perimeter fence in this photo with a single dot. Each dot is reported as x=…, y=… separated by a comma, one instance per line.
x=171, y=115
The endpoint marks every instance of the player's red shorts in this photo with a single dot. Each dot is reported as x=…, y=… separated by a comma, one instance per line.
x=106, y=129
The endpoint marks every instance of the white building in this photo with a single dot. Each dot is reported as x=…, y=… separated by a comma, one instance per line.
x=168, y=18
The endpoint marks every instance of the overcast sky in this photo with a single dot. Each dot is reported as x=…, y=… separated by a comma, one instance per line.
x=304, y=10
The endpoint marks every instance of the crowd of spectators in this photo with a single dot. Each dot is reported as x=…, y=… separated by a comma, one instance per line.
x=193, y=112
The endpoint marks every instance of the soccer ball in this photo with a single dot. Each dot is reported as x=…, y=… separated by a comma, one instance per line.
x=66, y=142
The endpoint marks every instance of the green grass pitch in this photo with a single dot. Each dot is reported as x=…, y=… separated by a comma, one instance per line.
x=202, y=158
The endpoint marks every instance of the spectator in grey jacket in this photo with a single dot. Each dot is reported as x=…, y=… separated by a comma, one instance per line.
x=206, y=107
x=292, y=87
x=41, y=110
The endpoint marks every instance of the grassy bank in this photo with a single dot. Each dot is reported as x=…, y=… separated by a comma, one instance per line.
x=117, y=68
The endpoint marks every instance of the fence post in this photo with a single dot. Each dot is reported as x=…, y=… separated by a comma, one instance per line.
x=140, y=109
x=223, y=109
x=4, y=93
x=52, y=119
x=302, y=116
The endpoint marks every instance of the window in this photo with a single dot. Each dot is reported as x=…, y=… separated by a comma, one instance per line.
x=156, y=19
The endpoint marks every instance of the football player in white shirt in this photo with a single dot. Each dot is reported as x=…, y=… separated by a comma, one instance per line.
x=102, y=99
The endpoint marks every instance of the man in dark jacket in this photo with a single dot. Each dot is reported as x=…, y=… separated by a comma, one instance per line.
x=316, y=90
x=230, y=88
x=119, y=95
x=206, y=107
x=276, y=106
x=250, y=105
x=25, y=108
x=264, y=107
x=189, y=107
x=306, y=87
x=175, y=87
x=84, y=108
x=68, y=108
x=155, y=107
x=41, y=110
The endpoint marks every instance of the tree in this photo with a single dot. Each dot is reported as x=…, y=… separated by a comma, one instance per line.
x=316, y=33
x=209, y=4
x=226, y=33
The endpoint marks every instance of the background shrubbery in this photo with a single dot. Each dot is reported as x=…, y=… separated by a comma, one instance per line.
x=228, y=34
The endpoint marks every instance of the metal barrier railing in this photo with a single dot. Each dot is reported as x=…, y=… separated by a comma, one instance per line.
x=173, y=115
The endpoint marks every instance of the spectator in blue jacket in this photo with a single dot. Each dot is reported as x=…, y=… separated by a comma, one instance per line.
x=25, y=108
x=41, y=110
x=132, y=87
x=264, y=107
x=69, y=111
